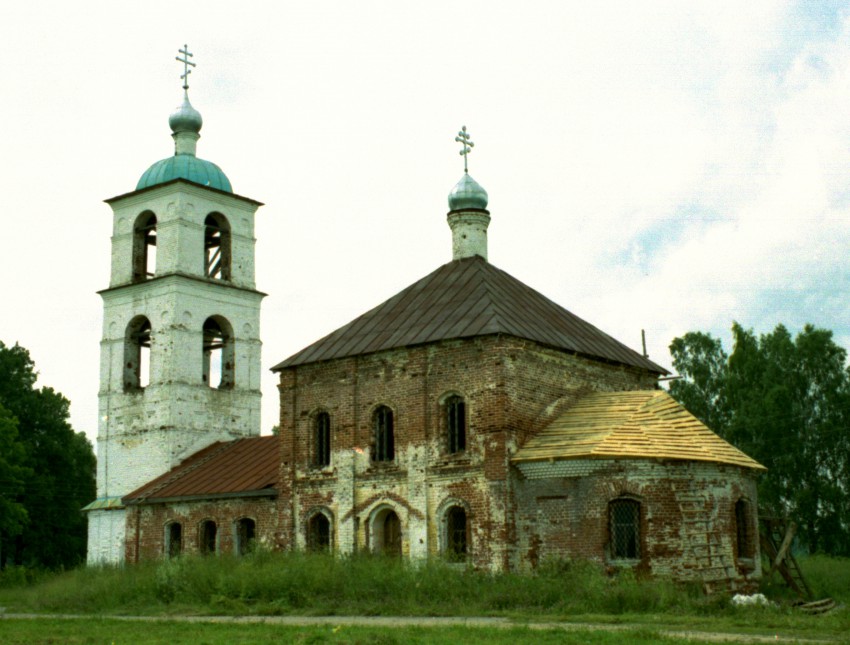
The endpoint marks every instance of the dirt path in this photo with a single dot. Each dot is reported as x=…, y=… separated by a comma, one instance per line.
x=430, y=621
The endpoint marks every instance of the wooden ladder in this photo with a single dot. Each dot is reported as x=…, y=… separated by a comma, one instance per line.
x=776, y=536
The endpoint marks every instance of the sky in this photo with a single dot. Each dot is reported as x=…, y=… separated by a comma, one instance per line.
x=664, y=166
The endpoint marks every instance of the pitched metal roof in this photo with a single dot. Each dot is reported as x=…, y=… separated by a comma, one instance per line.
x=241, y=468
x=642, y=424
x=463, y=299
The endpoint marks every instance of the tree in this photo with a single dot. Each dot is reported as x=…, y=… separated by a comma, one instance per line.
x=786, y=402
x=59, y=463
x=13, y=514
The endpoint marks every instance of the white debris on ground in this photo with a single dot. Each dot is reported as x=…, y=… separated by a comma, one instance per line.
x=741, y=600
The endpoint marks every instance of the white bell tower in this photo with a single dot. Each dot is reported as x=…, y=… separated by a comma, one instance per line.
x=180, y=355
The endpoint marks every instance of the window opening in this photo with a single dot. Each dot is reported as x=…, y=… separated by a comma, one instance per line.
x=245, y=535
x=391, y=534
x=319, y=533
x=144, y=247
x=174, y=539
x=624, y=516
x=137, y=354
x=456, y=533
x=322, y=439
x=743, y=531
x=382, y=421
x=218, y=354
x=456, y=423
x=208, y=537
x=217, y=247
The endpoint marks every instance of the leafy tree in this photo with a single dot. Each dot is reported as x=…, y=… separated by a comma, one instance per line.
x=60, y=469
x=13, y=514
x=786, y=402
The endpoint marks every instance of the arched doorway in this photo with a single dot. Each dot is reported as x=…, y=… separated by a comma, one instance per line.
x=386, y=533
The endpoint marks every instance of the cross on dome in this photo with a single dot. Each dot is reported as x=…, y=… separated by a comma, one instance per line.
x=463, y=138
x=186, y=62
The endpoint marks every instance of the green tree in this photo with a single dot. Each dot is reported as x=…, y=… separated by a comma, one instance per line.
x=60, y=469
x=13, y=514
x=786, y=402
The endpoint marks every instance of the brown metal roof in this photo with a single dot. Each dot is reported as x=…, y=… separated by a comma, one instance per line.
x=244, y=467
x=617, y=425
x=463, y=299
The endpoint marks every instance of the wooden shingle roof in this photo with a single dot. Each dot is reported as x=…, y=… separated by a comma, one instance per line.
x=463, y=299
x=240, y=468
x=640, y=424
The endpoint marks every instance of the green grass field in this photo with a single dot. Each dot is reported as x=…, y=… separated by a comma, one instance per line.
x=271, y=584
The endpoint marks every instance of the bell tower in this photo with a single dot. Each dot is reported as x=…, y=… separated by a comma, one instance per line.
x=180, y=354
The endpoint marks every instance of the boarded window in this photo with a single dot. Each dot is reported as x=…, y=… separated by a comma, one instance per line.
x=624, y=519
x=144, y=247
x=245, y=535
x=743, y=530
x=137, y=354
x=174, y=539
x=456, y=533
x=322, y=440
x=319, y=533
x=208, y=537
x=219, y=355
x=384, y=438
x=456, y=423
x=217, y=247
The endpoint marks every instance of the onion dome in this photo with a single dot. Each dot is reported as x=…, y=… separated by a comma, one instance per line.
x=185, y=118
x=467, y=194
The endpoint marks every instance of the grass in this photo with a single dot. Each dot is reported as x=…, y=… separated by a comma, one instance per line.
x=299, y=584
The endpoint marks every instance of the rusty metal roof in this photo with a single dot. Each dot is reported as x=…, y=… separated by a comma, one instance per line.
x=463, y=299
x=641, y=424
x=241, y=468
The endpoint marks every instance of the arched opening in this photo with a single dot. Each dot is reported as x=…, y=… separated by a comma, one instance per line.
x=218, y=351
x=383, y=434
x=217, y=247
x=137, y=354
x=456, y=543
x=173, y=539
x=455, y=419
x=319, y=533
x=624, y=525
x=386, y=533
x=744, y=531
x=322, y=440
x=144, y=247
x=208, y=538
x=245, y=535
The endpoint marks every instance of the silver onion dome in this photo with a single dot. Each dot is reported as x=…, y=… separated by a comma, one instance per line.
x=466, y=194
x=185, y=118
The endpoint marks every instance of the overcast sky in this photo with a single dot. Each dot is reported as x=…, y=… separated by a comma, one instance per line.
x=661, y=166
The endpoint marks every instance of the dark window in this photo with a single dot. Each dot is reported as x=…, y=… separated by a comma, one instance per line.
x=384, y=448
x=322, y=439
x=624, y=517
x=174, y=539
x=319, y=533
x=456, y=423
x=218, y=353
x=456, y=533
x=137, y=353
x=217, y=247
x=245, y=535
x=208, y=537
x=144, y=247
x=743, y=531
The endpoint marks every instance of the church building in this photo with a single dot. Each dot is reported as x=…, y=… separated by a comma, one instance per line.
x=468, y=417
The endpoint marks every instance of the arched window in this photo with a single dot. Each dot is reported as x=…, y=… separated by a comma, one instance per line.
x=173, y=539
x=319, y=532
x=386, y=532
x=218, y=353
x=217, y=247
x=322, y=440
x=245, y=535
x=208, y=537
x=383, y=431
x=624, y=523
x=455, y=409
x=137, y=354
x=456, y=541
x=144, y=247
x=743, y=530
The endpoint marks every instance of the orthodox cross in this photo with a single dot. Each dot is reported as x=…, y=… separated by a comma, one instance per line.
x=463, y=138
x=186, y=62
